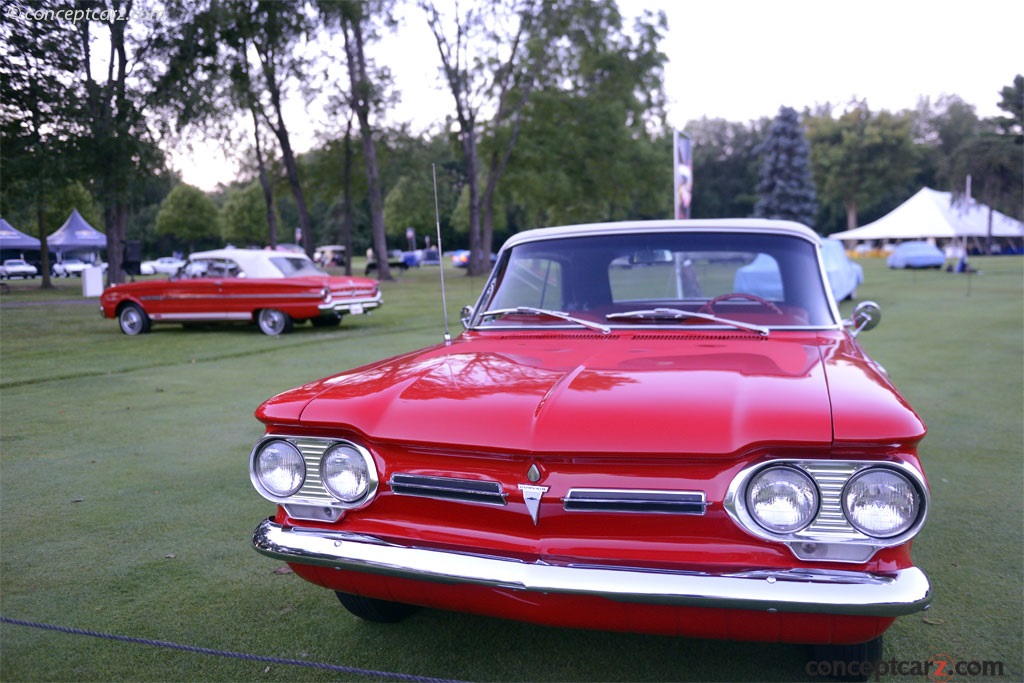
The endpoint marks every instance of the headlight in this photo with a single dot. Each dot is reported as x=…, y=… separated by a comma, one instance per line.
x=783, y=500
x=881, y=502
x=346, y=473
x=279, y=468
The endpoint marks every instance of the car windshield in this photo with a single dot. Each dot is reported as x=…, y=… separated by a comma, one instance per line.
x=656, y=279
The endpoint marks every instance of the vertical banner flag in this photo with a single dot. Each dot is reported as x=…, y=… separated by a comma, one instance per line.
x=683, y=186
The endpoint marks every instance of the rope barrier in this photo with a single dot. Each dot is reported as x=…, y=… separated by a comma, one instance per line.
x=225, y=653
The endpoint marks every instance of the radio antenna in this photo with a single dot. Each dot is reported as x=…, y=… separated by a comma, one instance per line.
x=440, y=252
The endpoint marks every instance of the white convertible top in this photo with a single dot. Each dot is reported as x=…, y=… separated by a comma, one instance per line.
x=255, y=263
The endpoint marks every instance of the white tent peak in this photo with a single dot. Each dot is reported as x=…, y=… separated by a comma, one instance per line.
x=931, y=214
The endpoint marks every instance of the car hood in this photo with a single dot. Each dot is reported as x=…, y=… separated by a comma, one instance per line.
x=717, y=394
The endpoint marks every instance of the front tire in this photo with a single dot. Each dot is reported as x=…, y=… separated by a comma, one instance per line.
x=372, y=609
x=133, y=320
x=849, y=662
x=273, y=322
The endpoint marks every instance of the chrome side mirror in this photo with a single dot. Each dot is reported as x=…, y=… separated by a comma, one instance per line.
x=866, y=316
x=466, y=315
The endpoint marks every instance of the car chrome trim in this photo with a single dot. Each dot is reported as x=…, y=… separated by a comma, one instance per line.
x=191, y=317
x=829, y=537
x=635, y=500
x=448, y=488
x=313, y=500
x=344, y=305
x=813, y=591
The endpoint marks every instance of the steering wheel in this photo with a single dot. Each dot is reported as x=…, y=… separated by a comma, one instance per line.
x=709, y=307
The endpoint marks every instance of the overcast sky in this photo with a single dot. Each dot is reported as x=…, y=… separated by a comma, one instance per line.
x=742, y=59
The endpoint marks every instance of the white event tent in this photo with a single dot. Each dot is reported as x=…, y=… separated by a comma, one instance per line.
x=935, y=216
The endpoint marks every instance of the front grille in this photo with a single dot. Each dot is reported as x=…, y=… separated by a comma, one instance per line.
x=312, y=451
x=831, y=477
x=448, y=488
x=625, y=500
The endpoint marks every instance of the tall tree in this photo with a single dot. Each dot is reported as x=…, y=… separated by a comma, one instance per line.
x=188, y=214
x=588, y=149
x=273, y=30
x=358, y=21
x=115, y=104
x=39, y=122
x=239, y=60
x=487, y=67
x=994, y=160
x=860, y=157
x=785, y=188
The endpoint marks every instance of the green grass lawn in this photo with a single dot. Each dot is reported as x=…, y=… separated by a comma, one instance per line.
x=126, y=508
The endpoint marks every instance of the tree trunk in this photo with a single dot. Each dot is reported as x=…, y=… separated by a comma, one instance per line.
x=44, y=248
x=475, y=266
x=360, y=103
x=288, y=155
x=292, y=172
x=268, y=189
x=346, y=225
x=851, y=214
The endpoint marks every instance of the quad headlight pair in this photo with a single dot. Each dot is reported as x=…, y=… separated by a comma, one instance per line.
x=313, y=471
x=829, y=510
x=877, y=502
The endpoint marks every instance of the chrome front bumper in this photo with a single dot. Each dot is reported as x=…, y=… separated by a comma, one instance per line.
x=793, y=590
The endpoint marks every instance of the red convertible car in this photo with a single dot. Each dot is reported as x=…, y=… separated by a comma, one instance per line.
x=621, y=439
x=274, y=289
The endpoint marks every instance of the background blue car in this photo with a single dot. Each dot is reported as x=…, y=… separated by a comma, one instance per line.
x=916, y=255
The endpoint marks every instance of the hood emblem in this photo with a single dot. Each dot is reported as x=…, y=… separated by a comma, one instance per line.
x=531, y=496
x=533, y=474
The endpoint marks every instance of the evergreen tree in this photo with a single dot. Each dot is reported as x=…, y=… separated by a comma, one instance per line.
x=785, y=188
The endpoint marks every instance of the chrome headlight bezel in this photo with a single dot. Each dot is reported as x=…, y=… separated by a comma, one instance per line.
x=359, y=463
x=830, y=536
x=900, y=480
x=789, y=482
x=281, y=458
x=313, y=499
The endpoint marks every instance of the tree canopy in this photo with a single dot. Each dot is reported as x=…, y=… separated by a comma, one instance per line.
x=557, y=115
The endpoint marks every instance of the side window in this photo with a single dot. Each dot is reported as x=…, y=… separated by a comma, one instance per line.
x=535, y=282
x=196, y=269
x=222, y=268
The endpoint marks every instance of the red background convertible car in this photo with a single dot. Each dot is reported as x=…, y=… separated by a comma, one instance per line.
x=274, y=289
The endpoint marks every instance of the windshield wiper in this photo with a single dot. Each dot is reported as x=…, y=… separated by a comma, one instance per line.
x=561, y=315
x=678, y=314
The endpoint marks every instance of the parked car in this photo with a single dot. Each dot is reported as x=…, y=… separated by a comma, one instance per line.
x=402, y=260
x=460, y=258
x=16, y=267
x=916, y=255
x=762, y=277
x=70, y=267
x=274, y=289
x=618, y=440
x=844, y=275
x=165, y=265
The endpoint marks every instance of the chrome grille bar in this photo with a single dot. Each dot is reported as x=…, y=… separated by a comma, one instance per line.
x=631, y=500
x=448, y=488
